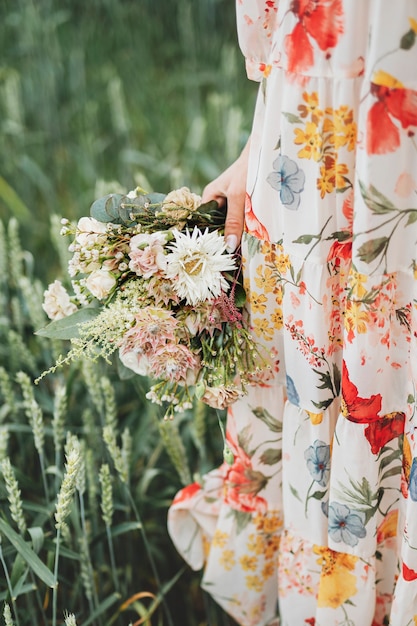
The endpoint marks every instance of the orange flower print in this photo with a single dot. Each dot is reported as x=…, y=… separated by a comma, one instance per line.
x=394, y=102
x=408, y=573
x=252, y=225
x=320, y=20
x=385, y=429
x=188, y=492
x=242, y=485
x=354, y=408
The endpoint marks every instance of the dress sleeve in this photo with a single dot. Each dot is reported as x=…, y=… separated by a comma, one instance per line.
x=256, y=23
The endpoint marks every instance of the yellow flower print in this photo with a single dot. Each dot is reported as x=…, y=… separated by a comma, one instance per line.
x=227, y=560
x=262, y=329
x=248, y=563
x=255, y=544
x=355, y=318
x=272, y=523
x=333, y=175
x=413, y=26
x=219, y=539
x=347, y=137
x=415, y=620
x=266, y=281
x=311, y=139
x=337, y=583
x=311, y=107
x=268, y=570
x=277, y=319
x=278, y=294
x=271, y=547
x=356, y=284
x=254, y=583
x=315, y=418
x=258, y=302
x=326, y=182
x=282, y=263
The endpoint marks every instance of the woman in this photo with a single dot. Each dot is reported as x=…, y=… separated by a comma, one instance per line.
x=318, y=511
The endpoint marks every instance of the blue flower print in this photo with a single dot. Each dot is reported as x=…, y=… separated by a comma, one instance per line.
x=412, y=486
x=318, y=462
x=288, y=179
x=292, y=394
x=346, y=526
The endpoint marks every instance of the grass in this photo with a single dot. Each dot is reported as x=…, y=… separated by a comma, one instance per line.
x=95, y=96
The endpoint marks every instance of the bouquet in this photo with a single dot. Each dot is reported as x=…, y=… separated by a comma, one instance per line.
x=153, y=282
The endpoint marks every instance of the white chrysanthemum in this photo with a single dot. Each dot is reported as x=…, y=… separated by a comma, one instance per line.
x=196, y=263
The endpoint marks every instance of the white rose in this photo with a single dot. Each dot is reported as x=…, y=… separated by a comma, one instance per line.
x=89, y=231
x=100, y=283
x=57, y=303
x=135, y=361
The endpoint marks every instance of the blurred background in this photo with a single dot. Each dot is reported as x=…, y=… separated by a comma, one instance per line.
x=124, y=91
x=98, y=96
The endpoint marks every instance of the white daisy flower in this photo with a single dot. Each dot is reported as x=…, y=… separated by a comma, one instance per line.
x=196, y=263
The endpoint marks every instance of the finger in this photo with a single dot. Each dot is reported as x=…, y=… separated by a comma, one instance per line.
x=214, y=192
x=234, y=220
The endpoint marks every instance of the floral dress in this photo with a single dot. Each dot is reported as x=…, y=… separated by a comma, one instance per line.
x=315, y=519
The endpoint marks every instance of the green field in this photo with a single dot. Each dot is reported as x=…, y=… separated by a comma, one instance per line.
x=98, y=96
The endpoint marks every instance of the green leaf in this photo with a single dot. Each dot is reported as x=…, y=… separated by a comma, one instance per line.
x=242, y=520
x=37, y=535
x=295, y=493
x=68, y=327
x=318, y=495
x=379, y=204
x=370, y=250
x=102, y=608
x=412, y=217
x=28, y=554
x=12, y=201
x=407, y=41
x=244, y=438
x=240, y=296
x=269, y=420
x=293, y=119
x=337, y=379
x=340, y=235
x=107, y=209
x=253, y=245
x=306, y=239
x=271, y=456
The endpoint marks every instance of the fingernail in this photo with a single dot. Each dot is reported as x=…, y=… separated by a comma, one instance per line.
x=231, y=243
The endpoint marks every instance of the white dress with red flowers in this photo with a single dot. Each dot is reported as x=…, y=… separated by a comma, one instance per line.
x=316, y=519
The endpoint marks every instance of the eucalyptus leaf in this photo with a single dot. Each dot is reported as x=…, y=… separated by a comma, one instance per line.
x=106, y=209
x=31, y=558
x=68, y=327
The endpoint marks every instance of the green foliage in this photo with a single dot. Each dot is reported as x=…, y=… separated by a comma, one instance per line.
x=142, y=93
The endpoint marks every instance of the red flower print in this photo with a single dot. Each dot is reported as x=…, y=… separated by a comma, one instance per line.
x=310, y=620
x=252, y=225
x=408, y=573
x=385, y=429
x=393, y=101
x=188, y=492
x=242, y=484
x=322, y=20
x=356, y=409
x=342, y=247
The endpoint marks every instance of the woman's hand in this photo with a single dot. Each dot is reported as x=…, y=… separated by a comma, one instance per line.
x=230, y=187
